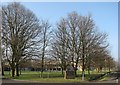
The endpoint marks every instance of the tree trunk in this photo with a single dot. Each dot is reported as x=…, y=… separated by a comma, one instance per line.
x=9, y=70
x=13, y=72
x=2, y=71
x=41, y=72
x=89, y=71
x=83, y=61
x=76, y=66
x=17, y=70
x=62, y=71
x=42, y=66
x=75, y=72
x=20, y=70
x=100, y=69
x=83, y=68
x=83, y=74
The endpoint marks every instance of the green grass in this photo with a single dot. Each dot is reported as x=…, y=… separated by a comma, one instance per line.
x=50, y=77
x=53, y=80
x=105, y=78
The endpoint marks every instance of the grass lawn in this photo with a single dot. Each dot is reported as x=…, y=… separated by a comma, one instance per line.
x=50, y=77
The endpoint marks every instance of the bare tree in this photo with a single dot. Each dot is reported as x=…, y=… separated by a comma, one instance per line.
x=46, y=35
x=1, y=41
x=20, y=28
x=59, y=49
x=96, y=48
x=80, y=39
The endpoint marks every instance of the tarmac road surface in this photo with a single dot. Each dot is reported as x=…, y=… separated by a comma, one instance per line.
x=20, y=82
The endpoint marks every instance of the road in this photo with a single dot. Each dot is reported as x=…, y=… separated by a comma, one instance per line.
x=20, y=82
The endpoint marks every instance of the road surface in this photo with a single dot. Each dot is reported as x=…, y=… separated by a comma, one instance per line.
x=22, y=82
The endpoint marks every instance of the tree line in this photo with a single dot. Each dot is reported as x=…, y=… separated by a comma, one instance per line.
x=74, y=41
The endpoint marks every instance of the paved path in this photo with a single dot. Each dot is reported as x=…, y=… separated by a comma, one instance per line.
x=22, y=82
